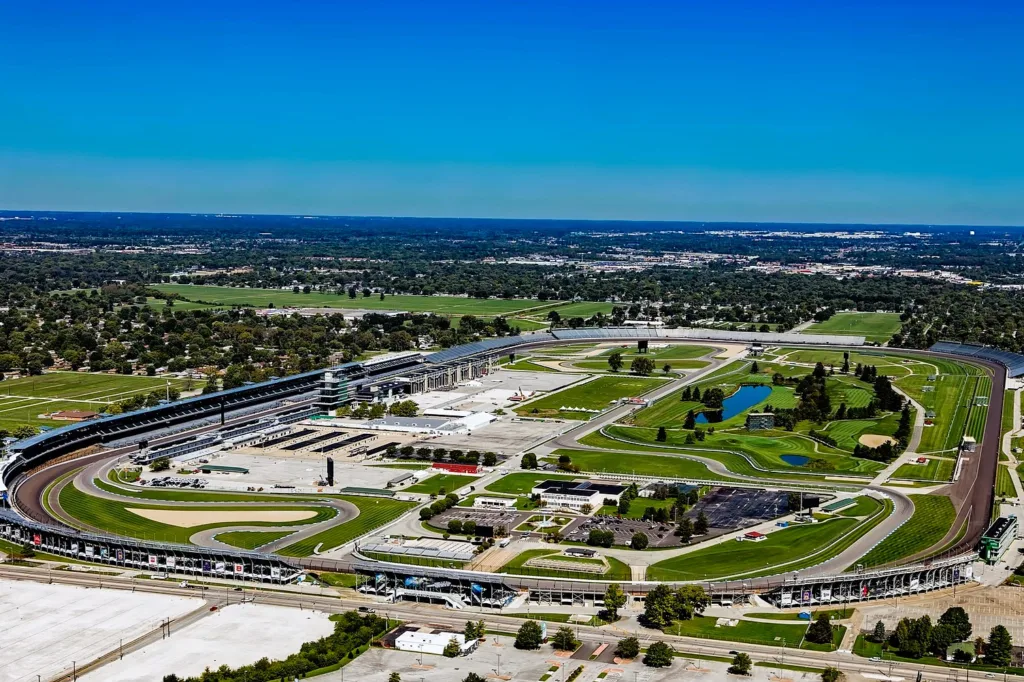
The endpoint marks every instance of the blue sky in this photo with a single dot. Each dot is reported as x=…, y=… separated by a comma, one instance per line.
x=787, y=111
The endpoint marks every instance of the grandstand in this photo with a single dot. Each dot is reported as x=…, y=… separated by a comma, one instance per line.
x=1013, y=362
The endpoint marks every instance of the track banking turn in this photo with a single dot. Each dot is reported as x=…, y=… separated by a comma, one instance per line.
x=35, y=463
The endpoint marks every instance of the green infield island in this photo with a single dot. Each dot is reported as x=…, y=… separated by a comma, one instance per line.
x=589, y=397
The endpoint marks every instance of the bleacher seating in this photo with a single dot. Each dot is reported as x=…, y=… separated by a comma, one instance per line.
x=1013, y=362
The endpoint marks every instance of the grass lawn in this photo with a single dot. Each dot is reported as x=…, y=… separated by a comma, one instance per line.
x=115, y=517
x=932, y=518
x=249, y=539
x=873, y=326
x=1004, y=484
x=616, y=569
x=522, y=503
x=438, y=482
x=637, y=507
x=949, y=397
x=862, y=506
x=935, y=470
x=591, y=395
x=749, y=632
x=286, y=298
x=733, y=558
x=627, y=364
x=838, y=632
x=648, y=465
x=529, y=366
x=522, y=483
x=833, y=614
x=374, y=512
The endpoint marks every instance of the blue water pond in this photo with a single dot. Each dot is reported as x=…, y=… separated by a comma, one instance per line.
x=743, y=399
x=795, y=460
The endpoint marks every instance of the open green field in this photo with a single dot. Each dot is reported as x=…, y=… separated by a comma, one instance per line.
x=627, y=364
x=616, y=569
x=933, y=516
x=644, y=465
x=438, y=482
x=249, y=539
x=374, y=512
x=935, y=470
x=584, y=309
x=749, y=559
x=592, y=395
x=669, y=352
x=286, y=298
x=766, y=448
x=115, y=517
x=872, y=326
x=637, y=507
x=522, y=483
x=746, y=631
x=161, y=304
x=23, y=400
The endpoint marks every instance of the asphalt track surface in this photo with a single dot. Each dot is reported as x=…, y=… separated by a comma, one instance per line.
x=972, y=494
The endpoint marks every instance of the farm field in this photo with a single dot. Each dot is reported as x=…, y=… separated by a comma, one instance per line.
x=937, y=469
x=592, y=395
x=746, y=559
x=23, y=400
x=447, y=482
x=282, y=299
x=877, y=327
x=933, y=516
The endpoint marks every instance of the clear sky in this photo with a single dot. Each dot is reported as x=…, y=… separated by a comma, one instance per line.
x=861, y=111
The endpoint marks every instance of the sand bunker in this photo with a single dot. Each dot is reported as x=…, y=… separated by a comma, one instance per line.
x=873, y=440
x=188, y=518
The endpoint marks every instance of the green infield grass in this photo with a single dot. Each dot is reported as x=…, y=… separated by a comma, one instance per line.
x=616, y=569
x=438, y=482
x=933, y=516
x=935, y=470
x=115, y=517
x=746, y=559
x=598, y=394
x=862, y=506
x=637, y=507
x=374, y=512
x=527, y=365
x=645, y=465
x=249, y=539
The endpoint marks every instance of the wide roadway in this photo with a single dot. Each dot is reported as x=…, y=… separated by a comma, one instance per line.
x=456, y=620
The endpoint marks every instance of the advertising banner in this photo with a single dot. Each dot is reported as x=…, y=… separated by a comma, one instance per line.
x=120, y=555
x=37, y=539
x=152, y=559
x=207, y=566
x=171, y=562
x=219, y=566
x=239, y=568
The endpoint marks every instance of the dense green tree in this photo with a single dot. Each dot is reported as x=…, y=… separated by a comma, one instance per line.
x=659, y=655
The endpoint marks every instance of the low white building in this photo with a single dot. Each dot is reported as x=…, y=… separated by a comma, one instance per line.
x=483, y=502
x=432, y=643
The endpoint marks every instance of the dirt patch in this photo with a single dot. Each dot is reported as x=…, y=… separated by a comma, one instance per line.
x=189, y=518
x=873, y=440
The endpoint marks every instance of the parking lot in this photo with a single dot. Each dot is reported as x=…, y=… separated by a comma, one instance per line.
x=658, y=534
x=732, y=508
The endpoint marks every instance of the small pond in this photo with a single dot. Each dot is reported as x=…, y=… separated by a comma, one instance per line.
x=743, y=399
x=795, y=460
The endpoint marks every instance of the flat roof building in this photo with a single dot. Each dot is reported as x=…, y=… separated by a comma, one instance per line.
x=433, y=642
x=575, y=495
